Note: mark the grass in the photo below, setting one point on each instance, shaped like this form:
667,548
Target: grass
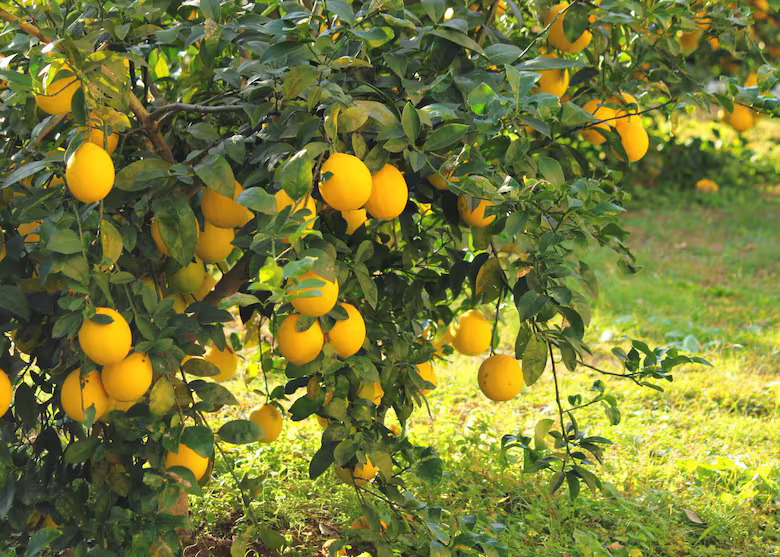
695,470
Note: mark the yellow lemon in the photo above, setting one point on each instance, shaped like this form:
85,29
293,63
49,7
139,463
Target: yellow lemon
214,244
473,334
741,119
389,194
347,335
355,219
361,475
474,216
634,139
57,97
500,377
89,173
626,100
226,360
187,279
428,374
128,379
706,186
106,344
76,399
222,211
600,113
270,420
349,185
554,82
186,457
556,35
318,300
6,393
299,347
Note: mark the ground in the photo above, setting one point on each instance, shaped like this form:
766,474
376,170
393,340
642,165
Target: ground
695,470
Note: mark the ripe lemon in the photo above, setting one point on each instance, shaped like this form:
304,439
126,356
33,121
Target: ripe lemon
349,186
5,393
371,391
500,377
634,139
299,347
270,420
689,41
205,287
389,194
76,399
26,231
224,212
106,344
186,457
706,185
355,219
556,35
347,335
214,244
89,173
179,304
226,360
440,183
625,100
187,279
600,113
473,334
128,379
307,202
474,217
554,82
426,371
97,135
741,119
57,97
361,475
318,300
117,405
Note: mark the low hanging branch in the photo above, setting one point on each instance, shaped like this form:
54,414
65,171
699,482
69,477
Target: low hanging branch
145,120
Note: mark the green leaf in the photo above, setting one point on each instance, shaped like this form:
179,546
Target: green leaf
503,53
430,470
367,284
352,118
80,451
200,368
141,175
575,22
298,79
23,80
258,200
321,460
240,432
40,540
459,38
552,171
534,360
444,136
480,97
521,342
342,9
24,171
556,480
434,8
529,305
78,107
568,355
177,225
271,538
439,550
65,241
200,439
214,394
541,430
162,397
111,242
613,415
215,172
576,326
344,451
410,121
296,175
574,484
14,300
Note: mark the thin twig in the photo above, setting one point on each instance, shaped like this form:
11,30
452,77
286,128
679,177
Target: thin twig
184,107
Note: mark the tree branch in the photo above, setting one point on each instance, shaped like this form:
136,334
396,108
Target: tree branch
184,107
230,281
141,114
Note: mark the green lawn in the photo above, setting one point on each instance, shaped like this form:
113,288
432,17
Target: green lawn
695,470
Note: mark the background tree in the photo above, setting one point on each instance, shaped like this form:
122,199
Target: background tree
355,179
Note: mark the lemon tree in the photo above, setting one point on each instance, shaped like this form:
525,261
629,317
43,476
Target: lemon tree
367,187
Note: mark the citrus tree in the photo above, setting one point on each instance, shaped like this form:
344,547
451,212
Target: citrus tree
368,187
